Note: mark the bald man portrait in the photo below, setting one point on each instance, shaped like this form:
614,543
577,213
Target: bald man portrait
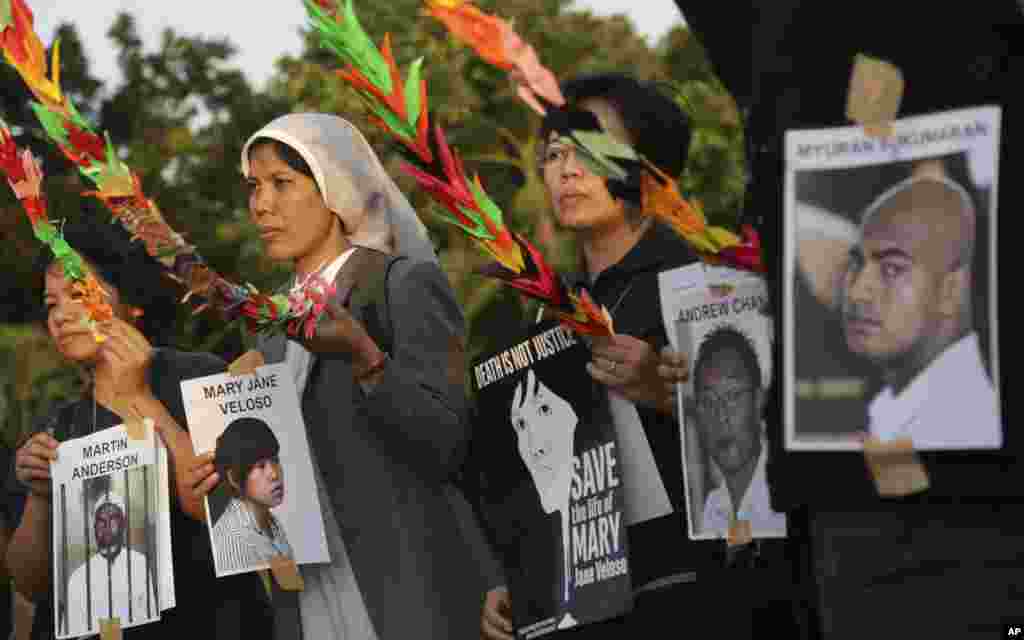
905,301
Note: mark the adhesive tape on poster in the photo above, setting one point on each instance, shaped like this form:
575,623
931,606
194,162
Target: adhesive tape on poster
875,93
110,629
740,533
137,429
286,573
895,467
246,363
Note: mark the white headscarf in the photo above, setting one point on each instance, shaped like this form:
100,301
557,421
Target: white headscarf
352,181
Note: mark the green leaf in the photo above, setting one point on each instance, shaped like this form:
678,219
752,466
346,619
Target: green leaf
486,205
347,39
400,127
6,15
60,247
477,230
166,252
412,93
603,145
76,117
72,264
44,232
53,123
601,166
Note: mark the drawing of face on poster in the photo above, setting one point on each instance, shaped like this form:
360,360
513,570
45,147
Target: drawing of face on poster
728,396
552,487
545,425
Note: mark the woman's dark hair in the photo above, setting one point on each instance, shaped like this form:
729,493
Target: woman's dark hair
288,155
138,278
658,127
244,443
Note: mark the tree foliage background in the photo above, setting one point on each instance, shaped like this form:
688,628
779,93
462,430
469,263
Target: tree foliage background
185,109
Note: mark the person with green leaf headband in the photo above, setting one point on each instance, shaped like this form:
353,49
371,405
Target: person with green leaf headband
594,152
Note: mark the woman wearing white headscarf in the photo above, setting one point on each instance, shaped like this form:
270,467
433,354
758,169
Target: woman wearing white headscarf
381,387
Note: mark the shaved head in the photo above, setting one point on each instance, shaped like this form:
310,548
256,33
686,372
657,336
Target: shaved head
930,216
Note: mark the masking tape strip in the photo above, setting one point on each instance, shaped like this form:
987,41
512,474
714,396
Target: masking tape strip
246,363
895,467
286,573
137,429
740,533
875,94
110,629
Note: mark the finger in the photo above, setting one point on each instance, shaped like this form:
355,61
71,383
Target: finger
135,343
677,361
203,459
206,486
46,440
610,351
610,367
37,450
494,630
600,342
33,462
197,472
492,614
673,357
671,375
114,352
491,632
42,438
29,475
505,611
40,487
118,341
132,334
602,376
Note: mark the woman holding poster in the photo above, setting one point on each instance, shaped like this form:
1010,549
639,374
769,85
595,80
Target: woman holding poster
381,383
129,378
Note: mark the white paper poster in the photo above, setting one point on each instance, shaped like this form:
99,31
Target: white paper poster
111,532
266,504
718,318
890,284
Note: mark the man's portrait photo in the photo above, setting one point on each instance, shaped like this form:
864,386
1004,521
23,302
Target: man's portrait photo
892,304
246,535
729,449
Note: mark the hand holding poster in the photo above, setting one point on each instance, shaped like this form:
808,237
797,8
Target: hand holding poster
554,489
266,505
111,533
718,318
890,279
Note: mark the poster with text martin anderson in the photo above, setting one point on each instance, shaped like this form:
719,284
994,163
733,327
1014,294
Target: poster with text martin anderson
111,532
553,491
